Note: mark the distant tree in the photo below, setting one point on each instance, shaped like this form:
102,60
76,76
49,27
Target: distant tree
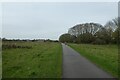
4,39
114,24
66,38
116,21
110,25
99,41
84,28
103,35
94,33
116,35
48,40
109,31
85,38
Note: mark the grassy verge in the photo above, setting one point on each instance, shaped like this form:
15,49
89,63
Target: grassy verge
104,56
43,60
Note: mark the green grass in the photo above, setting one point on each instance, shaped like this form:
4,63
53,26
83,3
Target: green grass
44,60
104,56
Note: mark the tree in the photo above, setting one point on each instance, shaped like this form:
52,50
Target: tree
84,28
116,21
66,38
4,39
94,33
85,38
103,34
116,35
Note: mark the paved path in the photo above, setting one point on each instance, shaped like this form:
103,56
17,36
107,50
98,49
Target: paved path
76,66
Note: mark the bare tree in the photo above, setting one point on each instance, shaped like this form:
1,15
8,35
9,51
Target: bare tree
84,28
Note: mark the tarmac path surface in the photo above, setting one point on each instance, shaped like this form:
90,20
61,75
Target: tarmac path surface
76,66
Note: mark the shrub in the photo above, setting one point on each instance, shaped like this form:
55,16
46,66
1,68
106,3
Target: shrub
10,46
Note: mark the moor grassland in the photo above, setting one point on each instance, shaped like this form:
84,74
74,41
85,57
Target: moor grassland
41,60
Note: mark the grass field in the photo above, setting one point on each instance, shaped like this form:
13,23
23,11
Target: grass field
104,56
43,60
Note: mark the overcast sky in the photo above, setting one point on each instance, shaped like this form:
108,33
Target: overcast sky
50,20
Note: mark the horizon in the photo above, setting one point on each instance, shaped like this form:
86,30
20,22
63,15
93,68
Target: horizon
27,39
50,20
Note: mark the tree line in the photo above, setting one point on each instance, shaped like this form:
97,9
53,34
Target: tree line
28,40
93,33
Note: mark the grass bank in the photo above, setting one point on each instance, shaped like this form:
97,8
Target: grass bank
104,56
43,60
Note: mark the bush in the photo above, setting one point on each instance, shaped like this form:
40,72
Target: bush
10,46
